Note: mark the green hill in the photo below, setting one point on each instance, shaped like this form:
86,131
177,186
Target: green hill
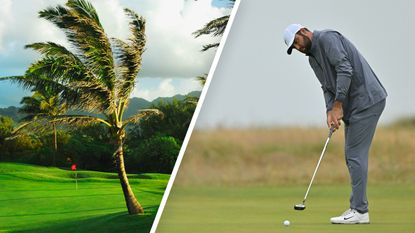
12,112
135,104
178,97
44,199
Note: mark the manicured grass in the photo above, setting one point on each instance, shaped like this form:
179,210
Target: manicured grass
263,209
41,199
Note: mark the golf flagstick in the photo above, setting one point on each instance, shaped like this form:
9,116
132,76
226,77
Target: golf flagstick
302,206
73,168
76,180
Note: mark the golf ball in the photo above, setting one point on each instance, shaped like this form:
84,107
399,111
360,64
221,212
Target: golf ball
286,223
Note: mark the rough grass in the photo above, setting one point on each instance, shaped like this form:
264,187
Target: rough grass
289,156
44,199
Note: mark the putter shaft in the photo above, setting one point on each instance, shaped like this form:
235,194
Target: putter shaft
318,164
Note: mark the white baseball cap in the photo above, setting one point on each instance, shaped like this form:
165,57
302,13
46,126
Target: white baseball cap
289,35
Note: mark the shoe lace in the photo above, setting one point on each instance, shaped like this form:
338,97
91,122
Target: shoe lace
347,212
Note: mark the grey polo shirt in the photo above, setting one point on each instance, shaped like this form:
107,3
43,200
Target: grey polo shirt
344,73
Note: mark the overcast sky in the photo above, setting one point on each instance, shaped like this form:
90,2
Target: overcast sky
170,63
257,84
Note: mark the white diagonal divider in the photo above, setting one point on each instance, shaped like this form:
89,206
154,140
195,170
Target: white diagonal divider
194,118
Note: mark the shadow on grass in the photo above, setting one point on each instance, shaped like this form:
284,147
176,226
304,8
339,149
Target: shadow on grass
53,190
59,212
61,196
109,175
116,222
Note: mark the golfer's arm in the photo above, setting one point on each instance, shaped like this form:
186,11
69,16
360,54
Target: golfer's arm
338,58
328,98
344,78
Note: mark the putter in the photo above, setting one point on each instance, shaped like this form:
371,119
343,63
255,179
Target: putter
301,206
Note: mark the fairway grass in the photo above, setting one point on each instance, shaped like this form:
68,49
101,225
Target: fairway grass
263,209
41,199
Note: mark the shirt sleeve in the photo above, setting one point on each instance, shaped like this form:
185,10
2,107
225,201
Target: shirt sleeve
328,95
338,58
329,99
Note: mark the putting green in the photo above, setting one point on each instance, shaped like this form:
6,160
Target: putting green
40,199
263,209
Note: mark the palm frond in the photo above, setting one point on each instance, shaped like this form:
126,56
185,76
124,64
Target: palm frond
209,46
137,28
79,120
31,127
127,69
29,106
18,131
191,100
215,27
32,113
42,104
129,55
54,49
84,8
43,124
64,76
29,82
21,126
55,15
81,25
142,114
202,79
11,78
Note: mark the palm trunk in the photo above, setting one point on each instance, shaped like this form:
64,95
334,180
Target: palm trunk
133,205
56,144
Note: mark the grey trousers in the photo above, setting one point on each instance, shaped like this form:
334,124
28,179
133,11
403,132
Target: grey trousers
359,132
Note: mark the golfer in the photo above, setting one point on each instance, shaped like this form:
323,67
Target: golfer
352,93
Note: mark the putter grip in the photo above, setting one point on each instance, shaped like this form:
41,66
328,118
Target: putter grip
331,131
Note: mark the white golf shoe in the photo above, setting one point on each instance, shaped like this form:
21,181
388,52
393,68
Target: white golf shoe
351,216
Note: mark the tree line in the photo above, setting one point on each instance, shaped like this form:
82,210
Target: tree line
152,146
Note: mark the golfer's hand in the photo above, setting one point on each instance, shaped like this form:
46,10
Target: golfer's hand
335,115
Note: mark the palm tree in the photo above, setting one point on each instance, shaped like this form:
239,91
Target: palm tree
202,79
43,104
96,74
215,27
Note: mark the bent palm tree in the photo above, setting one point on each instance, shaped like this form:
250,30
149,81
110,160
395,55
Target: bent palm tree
95,75
43,105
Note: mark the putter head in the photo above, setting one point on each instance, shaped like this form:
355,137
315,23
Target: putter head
299,207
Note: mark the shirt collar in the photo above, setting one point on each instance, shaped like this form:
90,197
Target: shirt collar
314,42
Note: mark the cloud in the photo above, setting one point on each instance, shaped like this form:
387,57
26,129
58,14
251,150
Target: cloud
172,52
112,17
152,88
171,49
21,26
5,12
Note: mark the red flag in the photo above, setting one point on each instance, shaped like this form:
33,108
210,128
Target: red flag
73,167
